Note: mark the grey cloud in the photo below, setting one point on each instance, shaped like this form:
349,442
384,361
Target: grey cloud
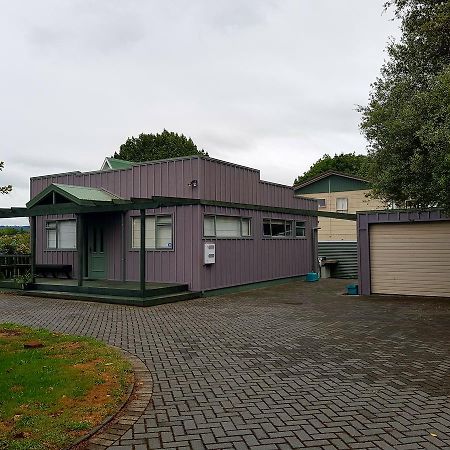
270,84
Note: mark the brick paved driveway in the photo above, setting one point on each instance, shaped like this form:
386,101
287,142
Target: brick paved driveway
294,366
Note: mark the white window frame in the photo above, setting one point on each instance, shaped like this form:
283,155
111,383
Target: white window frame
55,225
158,249
240,218
342,210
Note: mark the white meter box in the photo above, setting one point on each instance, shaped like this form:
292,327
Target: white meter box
209,253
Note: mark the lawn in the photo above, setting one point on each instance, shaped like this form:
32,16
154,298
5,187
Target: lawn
50,396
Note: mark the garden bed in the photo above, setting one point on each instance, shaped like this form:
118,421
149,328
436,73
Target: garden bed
50,395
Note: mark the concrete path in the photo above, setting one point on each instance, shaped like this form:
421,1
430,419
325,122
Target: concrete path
293,366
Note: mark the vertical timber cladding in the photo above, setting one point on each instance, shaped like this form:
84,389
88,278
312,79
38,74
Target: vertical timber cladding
410,258
346,253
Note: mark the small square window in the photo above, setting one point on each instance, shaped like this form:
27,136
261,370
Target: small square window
322,202
158,232
61,234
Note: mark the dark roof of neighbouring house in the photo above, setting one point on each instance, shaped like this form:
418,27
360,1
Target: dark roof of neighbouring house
342,180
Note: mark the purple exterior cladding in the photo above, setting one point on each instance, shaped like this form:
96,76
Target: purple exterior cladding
367,218
238,260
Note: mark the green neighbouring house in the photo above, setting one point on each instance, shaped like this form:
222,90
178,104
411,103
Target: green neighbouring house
341,193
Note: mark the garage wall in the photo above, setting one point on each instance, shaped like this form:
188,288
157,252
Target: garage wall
372,250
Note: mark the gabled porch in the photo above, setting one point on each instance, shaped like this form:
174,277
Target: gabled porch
98,232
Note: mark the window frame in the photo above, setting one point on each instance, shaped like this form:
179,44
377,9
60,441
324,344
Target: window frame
303,236
155,249
324,202
346,202
241,218
293,223
57,223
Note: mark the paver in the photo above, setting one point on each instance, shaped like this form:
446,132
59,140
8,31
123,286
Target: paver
294,366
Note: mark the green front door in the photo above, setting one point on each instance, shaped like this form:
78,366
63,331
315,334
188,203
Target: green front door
96,252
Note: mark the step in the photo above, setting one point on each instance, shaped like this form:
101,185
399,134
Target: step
171,298
111,291
114,299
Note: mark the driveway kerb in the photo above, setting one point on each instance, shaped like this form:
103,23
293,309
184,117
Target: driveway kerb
116,425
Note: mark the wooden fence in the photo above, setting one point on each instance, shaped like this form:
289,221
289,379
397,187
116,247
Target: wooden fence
12,266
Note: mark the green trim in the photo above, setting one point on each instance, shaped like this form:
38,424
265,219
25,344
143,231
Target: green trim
9,285
117,205
173,201
115,299
251,286
79,195
13,212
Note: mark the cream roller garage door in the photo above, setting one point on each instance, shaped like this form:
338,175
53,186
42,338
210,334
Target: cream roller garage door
410,259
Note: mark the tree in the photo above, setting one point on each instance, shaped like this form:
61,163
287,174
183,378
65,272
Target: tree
4,189
150,147
407,119
348,163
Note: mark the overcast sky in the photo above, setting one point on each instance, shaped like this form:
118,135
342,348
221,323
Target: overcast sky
271,84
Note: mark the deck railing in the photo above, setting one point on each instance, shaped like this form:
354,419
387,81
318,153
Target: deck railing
12,266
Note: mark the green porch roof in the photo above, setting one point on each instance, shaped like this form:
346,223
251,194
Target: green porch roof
80,195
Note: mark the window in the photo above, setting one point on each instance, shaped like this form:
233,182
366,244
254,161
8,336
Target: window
226,226
300,229
322,202
61,234
158,232
342,205
277,228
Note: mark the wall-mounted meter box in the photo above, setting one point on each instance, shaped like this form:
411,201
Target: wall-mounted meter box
209,253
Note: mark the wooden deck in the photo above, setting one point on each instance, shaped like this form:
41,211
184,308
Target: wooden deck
104,284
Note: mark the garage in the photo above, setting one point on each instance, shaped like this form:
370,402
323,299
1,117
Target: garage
404,253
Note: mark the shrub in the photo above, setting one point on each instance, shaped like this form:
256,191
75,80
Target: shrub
14,244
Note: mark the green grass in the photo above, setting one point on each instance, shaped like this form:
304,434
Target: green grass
50,396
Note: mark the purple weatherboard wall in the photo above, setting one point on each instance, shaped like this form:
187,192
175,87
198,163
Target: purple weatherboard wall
367,218
238,260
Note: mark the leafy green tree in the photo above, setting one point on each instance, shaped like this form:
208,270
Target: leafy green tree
150,147
348,163
4,189
407,119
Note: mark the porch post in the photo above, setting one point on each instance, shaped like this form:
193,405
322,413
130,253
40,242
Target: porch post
80,248
142,253
33,248
124,247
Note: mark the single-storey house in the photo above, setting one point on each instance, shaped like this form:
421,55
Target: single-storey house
198,221
404,252
340,193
